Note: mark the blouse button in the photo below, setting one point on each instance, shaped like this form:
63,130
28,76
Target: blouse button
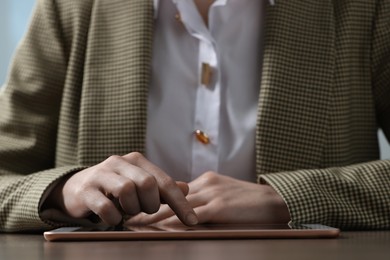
207,73
202,137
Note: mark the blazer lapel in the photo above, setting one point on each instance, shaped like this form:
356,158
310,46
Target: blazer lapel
296,85
116,79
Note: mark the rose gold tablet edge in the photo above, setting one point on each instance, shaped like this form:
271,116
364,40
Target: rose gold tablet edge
215,234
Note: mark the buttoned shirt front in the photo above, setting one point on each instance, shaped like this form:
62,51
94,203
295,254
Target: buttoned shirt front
203,97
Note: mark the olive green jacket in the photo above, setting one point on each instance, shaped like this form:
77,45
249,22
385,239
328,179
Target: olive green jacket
77,93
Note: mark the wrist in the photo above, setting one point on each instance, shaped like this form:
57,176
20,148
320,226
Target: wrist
54,199
277,204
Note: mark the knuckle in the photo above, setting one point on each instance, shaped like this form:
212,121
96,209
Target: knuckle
135,156
148,183
113,159
210,177
126,187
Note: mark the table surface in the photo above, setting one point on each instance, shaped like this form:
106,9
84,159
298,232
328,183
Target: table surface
350,245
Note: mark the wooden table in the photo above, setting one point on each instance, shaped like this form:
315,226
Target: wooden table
351,245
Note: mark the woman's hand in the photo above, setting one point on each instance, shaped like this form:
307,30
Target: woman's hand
221,199
120,185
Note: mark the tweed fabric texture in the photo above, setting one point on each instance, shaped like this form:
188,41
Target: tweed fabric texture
77,93
322,109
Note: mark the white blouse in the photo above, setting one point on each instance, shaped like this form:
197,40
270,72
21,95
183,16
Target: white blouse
203,97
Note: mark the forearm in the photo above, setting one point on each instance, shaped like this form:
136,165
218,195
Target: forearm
353,197
21,197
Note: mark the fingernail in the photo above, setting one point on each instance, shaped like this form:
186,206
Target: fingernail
192,219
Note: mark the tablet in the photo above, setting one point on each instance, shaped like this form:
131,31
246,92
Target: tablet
227,231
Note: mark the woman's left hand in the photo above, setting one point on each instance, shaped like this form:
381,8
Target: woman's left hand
220,199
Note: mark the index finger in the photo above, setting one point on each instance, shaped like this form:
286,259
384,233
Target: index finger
168,189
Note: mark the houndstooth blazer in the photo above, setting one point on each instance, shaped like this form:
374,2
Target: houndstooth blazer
77,93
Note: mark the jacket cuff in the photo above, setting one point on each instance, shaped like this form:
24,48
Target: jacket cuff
304,201
49,181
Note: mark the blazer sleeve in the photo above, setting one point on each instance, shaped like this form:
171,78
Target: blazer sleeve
357,196
29,112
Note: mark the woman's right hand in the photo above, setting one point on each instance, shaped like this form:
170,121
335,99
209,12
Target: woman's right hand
127,184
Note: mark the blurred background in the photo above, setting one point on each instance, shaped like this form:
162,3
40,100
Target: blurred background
14,18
